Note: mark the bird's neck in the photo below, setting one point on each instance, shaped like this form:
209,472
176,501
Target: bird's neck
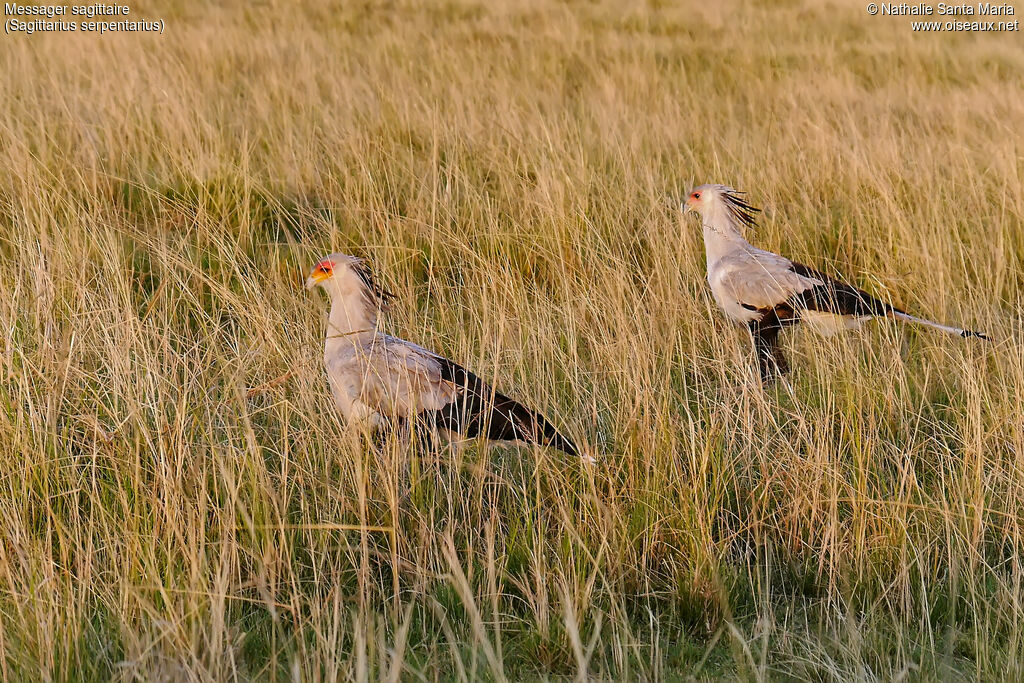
721,236
351,320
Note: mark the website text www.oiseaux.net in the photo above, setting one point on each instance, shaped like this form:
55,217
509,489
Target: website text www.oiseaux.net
942,17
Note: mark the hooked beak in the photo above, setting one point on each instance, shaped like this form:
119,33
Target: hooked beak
687,207
315,278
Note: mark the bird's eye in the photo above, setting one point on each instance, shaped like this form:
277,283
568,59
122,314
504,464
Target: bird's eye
696,195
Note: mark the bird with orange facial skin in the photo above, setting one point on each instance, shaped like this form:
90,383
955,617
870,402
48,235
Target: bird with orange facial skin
381,381
767,292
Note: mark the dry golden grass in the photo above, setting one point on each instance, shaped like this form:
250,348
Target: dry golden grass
179,499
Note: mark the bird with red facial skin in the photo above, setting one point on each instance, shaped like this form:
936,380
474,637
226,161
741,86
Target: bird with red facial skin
767,292
378,380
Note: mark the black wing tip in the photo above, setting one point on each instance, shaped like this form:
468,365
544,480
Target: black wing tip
563,444
538,429
517,422
972,333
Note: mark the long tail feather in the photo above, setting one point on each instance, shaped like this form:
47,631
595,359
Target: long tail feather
948,329
843,299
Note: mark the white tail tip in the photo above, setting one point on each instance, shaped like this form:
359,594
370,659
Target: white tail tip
948,329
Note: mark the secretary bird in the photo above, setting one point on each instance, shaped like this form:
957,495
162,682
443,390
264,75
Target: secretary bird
768,292
381,381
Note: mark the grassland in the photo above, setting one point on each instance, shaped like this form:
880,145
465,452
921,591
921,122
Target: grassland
179,499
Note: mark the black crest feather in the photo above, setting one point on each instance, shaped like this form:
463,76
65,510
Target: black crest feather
743,212
375,294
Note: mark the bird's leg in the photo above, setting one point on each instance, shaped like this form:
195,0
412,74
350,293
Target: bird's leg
415,456
383,431
389,442
422,448
426,443
770,359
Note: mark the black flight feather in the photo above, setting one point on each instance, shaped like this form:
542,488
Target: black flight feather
477,410
833,296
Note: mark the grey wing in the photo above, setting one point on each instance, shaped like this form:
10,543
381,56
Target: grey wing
405,379
760,279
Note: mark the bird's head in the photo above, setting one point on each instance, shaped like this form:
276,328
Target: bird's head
715,201
700,198
341,275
